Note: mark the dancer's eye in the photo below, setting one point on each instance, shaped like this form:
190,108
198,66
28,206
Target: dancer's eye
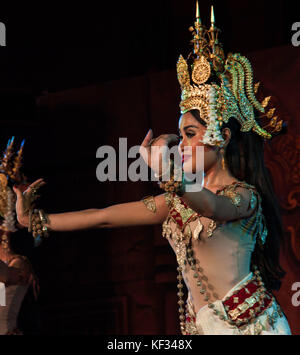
190,134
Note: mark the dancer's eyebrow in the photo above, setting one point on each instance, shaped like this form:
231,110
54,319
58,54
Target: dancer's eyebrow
187,127
190,126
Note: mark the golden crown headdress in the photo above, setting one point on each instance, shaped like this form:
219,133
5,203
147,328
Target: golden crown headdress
234,97
9,174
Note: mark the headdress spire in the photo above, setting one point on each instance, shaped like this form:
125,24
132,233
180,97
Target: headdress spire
212,17
198,18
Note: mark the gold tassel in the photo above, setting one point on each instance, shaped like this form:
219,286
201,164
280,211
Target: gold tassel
270,113
266,101
256,86
278,126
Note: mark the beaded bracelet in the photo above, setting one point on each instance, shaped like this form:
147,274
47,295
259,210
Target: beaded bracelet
172,185
37,225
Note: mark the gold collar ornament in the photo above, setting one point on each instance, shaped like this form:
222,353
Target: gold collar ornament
234,96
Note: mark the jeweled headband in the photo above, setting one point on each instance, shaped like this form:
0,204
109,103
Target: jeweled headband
234,97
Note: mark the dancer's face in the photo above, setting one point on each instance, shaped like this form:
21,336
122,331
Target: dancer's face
191,132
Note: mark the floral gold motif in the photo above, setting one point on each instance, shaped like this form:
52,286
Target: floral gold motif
149,202
201,71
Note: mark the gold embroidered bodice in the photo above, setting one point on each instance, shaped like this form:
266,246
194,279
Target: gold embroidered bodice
223,249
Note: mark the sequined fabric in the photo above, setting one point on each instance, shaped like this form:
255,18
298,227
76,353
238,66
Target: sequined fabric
269,321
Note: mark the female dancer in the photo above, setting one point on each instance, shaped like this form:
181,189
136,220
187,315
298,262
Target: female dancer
226,233
16,270
15,291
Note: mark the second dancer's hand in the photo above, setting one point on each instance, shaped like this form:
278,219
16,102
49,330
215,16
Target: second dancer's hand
25,201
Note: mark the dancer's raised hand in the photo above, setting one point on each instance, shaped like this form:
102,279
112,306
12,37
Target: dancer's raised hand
154,152
25,200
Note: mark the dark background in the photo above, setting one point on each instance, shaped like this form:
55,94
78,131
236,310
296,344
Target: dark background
53,46
76,76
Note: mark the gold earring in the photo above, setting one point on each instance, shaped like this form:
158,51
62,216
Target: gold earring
223,159
223,163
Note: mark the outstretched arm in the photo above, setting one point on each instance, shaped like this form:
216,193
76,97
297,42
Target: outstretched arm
119,215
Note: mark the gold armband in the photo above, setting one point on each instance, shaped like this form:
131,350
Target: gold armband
236,200
149,202
235,197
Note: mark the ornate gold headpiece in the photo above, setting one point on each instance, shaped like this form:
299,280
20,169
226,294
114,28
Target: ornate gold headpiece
9,172
234,96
